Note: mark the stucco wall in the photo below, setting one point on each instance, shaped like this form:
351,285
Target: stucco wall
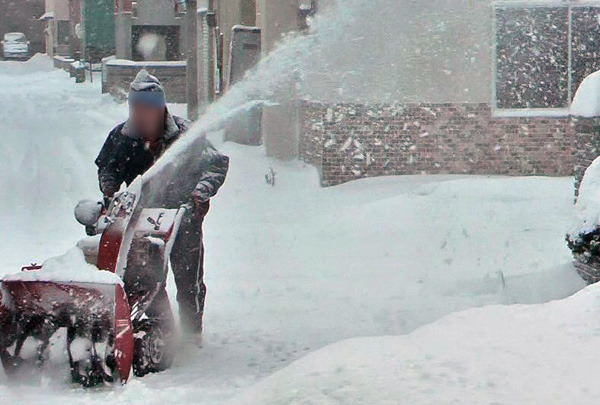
275,18
60,8
406,51
156,12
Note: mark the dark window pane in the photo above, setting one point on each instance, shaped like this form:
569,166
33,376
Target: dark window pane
532,54
63,29
586,43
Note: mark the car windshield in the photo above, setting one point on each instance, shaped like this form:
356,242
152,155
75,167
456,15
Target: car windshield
15,37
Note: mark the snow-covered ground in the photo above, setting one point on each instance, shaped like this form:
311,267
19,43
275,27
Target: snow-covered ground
517,354
293,268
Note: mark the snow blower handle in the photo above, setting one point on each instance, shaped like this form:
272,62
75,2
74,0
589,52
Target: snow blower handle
187,207
194,209
199,204
88,213
106,200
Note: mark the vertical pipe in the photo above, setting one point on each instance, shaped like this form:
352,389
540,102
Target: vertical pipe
494,50
191,35
570,57
211,42
202,34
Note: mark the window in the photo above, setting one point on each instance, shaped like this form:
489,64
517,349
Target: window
63,30
585,43
542,53
532,57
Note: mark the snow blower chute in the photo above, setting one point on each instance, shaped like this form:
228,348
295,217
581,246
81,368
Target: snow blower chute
108,322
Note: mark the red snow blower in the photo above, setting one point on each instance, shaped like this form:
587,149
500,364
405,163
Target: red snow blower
107,325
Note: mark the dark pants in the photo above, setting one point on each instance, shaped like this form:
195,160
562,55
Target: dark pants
187,261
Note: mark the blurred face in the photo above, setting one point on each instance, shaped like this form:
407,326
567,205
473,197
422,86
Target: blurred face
148,120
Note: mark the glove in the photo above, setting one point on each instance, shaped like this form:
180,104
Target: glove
200,194
200,201
106,201
109,188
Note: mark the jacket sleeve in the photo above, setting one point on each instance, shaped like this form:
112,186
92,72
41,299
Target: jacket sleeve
214,170
109,170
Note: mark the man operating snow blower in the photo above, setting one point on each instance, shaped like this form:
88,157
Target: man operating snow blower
130,150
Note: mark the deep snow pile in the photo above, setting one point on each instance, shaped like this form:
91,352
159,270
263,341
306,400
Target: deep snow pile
540,354
587,208
584,237
51,131
39,62
586,102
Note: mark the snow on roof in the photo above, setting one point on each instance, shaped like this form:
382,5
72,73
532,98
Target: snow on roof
49,15
240,27
126,62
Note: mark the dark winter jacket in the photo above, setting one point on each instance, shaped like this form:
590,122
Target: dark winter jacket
125,156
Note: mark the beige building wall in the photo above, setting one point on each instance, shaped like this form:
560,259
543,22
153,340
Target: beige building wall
60,10
276,18
408,51
280,123
405,51
229,14
147,13
123,35
402,51
156,12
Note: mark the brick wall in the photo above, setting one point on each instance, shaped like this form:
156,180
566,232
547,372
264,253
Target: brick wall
352,141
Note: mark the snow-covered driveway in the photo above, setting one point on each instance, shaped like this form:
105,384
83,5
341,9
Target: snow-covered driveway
289,268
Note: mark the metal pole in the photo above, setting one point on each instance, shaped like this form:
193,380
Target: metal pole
570,57
212,23
191,39
494,101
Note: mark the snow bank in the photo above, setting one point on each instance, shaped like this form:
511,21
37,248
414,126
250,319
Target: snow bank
587,208
40,62
70,267
52,130
542,354
586,102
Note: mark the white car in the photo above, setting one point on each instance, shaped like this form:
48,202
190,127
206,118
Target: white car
15,46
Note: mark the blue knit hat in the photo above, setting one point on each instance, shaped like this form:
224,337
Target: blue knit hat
146,89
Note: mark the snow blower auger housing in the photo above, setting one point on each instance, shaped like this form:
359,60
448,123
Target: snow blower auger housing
104,320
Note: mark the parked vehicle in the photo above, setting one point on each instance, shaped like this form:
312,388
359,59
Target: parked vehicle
15,46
